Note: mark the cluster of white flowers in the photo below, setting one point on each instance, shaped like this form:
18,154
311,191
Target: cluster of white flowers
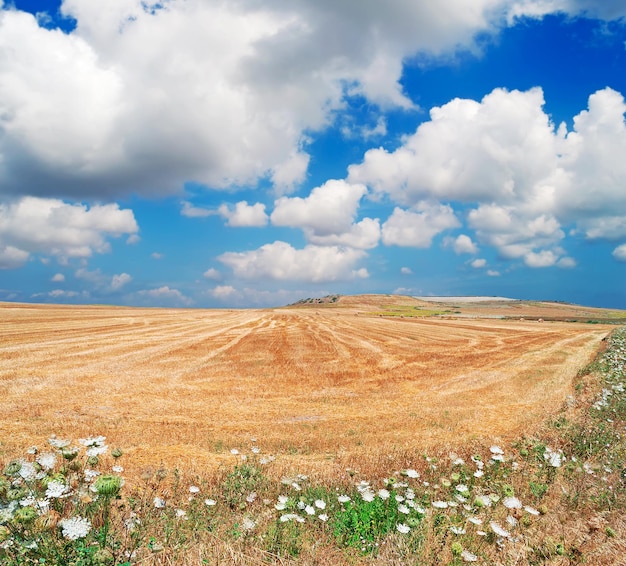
75,527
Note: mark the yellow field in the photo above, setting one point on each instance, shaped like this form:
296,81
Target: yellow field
329,385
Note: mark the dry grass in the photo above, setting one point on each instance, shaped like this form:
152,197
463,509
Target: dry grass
327,387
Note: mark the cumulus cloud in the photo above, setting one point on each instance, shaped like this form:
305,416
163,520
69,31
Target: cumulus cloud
244,214
478,263
164,296
416,228
524,176
224,292
213,274
464,245
619,253
191,211
118,281
12,257
52,227
280,261
58,278
329,209
406,271
96,112
544,258
328,216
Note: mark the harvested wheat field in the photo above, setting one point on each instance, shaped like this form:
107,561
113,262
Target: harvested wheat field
334,384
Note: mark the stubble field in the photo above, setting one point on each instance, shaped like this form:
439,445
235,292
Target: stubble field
330,386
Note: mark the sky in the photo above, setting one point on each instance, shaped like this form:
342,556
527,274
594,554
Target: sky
251,153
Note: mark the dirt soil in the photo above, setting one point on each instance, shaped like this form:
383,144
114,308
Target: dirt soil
329,385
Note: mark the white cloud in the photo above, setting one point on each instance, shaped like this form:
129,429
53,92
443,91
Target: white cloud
499,148
280,261
118,281
406,271
12,257
619,253
285,176
157,255
493,273
566,263
328,216
329,209
57,293
58,278
544,258
213,274
511,232
608,9
191,211
417,229
133,239
478,263
364,235
524,176
244,214
464,245
164,295
52,227
112,108
593,157
224,292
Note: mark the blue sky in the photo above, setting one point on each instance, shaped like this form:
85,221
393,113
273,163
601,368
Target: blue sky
248,154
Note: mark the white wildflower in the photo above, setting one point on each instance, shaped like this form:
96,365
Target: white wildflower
90,475
496,450
440,504
467,556
531,510
403,509
210,502
496,528
75,527
402,528
457,530
94,451
159,502
248,524
383,494
93,441
323,517
181,513
343,499
251,497
462,488
320,504
56,489
309,510
58,443
512,503
411,473
367,495
28,471
47,460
